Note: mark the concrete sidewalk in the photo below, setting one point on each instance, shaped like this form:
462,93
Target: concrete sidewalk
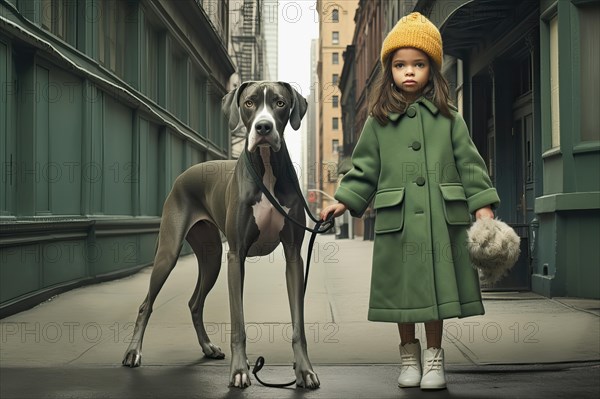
89,327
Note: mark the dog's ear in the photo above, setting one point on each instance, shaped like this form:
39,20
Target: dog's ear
299,106
230,105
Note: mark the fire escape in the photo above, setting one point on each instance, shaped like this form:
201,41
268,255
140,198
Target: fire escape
248,49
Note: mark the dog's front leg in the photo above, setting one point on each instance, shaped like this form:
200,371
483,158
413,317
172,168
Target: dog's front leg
305,376
239,372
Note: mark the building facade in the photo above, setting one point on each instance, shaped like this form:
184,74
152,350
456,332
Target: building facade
248,47
336,26
270,21
524,76
103,103
310,139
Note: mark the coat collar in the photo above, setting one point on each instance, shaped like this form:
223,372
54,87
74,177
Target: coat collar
423,101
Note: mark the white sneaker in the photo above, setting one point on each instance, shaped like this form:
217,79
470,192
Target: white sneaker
410,365
433,369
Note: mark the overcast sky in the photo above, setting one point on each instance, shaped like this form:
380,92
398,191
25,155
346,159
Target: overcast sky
298,25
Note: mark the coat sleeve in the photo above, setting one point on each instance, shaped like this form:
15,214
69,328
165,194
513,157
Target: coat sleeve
471,168
359,185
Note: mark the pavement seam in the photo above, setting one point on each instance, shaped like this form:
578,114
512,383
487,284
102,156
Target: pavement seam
462,348
572,307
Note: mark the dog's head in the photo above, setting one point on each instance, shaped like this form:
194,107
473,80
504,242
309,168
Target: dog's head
263,109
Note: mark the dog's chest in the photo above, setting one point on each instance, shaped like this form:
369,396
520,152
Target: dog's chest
268,219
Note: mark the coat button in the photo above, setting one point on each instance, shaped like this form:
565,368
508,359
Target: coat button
416,145
411,112
420,181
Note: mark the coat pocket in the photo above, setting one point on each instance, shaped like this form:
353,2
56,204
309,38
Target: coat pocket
456,208
390,210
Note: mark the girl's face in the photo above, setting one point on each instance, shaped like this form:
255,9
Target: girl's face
410,70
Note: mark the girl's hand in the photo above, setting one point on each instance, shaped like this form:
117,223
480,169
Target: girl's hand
337,209
485,212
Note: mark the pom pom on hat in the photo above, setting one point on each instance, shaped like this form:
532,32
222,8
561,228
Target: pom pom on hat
494,248
414,30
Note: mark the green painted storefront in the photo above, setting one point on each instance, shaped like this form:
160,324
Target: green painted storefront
98,116
527,82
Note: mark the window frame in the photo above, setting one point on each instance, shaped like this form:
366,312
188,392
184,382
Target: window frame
335,58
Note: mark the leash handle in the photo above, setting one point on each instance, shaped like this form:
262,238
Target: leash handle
260,362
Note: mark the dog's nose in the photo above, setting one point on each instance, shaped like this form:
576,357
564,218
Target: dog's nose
263,127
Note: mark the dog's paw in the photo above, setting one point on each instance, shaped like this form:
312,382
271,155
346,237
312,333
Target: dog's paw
240,379
213,352
133,358
308,379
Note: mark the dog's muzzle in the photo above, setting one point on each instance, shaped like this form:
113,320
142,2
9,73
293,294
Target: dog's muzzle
264,133
263,127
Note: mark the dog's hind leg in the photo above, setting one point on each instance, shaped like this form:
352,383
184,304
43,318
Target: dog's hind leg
205,240
174,225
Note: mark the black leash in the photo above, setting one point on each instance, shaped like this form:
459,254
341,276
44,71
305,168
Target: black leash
328,223
320,227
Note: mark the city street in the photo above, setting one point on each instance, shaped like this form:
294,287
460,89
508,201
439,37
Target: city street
524,346
121,123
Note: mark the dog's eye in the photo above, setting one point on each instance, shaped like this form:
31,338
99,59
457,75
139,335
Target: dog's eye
249,103
280,103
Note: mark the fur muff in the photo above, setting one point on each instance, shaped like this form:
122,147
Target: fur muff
494,248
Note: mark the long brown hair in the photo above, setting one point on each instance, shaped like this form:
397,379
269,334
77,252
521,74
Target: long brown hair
385,99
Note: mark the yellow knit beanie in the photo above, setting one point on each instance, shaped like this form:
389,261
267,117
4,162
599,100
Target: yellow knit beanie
414,30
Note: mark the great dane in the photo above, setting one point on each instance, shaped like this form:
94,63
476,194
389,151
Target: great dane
221,196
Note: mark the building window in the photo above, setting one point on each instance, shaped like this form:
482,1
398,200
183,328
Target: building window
554,84
335,146
335,37
335,15
335,101
111,34
335,78
60,18
335,58
589,33
335,123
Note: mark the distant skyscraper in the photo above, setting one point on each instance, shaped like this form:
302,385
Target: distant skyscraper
336,28
270,25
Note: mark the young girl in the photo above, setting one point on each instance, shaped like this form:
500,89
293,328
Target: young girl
415,158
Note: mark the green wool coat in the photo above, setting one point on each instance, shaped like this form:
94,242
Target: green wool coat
426,178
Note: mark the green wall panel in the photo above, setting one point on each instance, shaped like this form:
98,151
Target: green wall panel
63,261
114,253
587,166
581,253
5,153
41,165
58,125
93,164
64,163
147,248
177,158
149,168
19,270
118,168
